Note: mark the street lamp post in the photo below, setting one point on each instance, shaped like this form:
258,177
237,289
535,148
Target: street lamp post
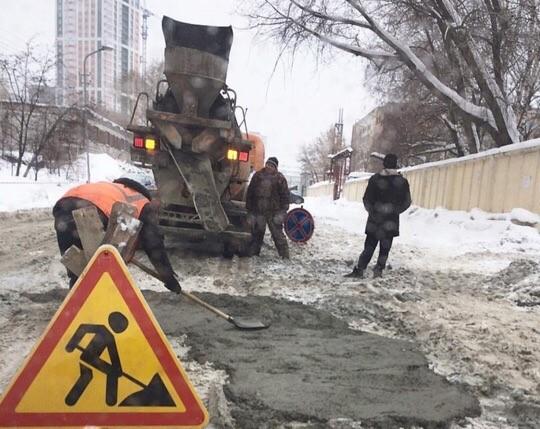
85,136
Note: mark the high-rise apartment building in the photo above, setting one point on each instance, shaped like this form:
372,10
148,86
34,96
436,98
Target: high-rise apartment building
83,26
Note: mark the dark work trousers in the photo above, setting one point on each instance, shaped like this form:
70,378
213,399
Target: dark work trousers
276,230
369,248
66,229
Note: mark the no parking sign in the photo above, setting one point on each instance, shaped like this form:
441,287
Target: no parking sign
299,225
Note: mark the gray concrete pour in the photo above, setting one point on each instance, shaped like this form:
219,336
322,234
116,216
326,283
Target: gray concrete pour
310,367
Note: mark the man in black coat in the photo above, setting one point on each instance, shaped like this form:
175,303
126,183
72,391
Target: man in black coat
387,196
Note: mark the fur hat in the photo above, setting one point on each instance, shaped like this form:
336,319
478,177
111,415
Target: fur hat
390,161
273,160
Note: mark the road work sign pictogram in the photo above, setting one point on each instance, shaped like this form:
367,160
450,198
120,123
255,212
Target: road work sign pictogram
103,362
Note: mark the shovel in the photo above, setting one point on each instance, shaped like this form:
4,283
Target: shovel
153,394
240,323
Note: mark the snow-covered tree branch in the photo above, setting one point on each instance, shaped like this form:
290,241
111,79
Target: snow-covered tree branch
473,55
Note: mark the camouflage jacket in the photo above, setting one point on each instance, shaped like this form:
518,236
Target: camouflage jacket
268,192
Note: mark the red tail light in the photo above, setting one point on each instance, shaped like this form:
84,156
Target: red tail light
243,156
138,142
150,143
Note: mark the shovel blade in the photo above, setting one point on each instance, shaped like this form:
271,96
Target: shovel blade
155,394
248,324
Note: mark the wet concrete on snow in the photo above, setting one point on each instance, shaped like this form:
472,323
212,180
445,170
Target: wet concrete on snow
308,366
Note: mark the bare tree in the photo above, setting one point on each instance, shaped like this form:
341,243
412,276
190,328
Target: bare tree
477,37
25,75
47,136
134,83
313,157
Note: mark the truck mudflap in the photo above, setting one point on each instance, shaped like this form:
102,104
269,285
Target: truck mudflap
196,170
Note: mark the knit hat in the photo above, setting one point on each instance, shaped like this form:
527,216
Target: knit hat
273,160
390,161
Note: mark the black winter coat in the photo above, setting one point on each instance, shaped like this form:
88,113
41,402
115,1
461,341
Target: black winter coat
387,196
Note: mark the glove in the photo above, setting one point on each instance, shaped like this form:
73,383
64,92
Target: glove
172,284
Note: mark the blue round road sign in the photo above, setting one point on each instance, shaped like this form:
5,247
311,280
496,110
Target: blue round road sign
299,225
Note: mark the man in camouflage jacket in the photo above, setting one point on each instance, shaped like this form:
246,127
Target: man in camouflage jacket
267,201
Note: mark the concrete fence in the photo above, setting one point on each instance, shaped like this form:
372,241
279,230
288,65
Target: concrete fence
320,189
496,181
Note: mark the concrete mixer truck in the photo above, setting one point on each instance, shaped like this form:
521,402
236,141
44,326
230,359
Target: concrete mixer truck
193,142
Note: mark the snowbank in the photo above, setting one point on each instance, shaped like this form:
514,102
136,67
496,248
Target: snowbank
445,233
358,176
19,193
319,184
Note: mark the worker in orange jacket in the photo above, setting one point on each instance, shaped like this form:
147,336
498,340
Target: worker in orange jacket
103,195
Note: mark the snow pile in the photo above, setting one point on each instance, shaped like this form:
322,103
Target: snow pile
442,228
24,193
319,184
20,193
435,236
358,176
519,282
524,217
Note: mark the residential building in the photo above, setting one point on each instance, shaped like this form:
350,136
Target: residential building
83,26
366,139
381,131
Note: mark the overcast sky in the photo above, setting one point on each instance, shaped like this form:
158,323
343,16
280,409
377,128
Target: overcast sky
290,108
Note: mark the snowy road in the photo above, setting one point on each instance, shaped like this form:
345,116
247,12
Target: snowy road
471,312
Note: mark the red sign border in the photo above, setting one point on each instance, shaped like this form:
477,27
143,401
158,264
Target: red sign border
107,260
308,215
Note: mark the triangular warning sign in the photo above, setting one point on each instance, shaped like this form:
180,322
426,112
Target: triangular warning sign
103,362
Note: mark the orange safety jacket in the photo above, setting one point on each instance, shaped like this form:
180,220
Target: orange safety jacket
104,194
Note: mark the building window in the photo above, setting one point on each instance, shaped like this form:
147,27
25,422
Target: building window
59,18
99,61
59,65
125,25
124,104
124,70
99,17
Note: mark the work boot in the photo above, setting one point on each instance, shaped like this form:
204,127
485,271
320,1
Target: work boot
377,273
356,273
284,253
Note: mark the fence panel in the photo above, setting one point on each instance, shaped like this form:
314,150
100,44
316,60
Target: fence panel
495,181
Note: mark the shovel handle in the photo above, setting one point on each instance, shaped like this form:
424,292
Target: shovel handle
195,299
208,306
124,374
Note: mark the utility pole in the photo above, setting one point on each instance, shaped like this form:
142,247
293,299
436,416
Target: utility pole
85,108
340,161
338,143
